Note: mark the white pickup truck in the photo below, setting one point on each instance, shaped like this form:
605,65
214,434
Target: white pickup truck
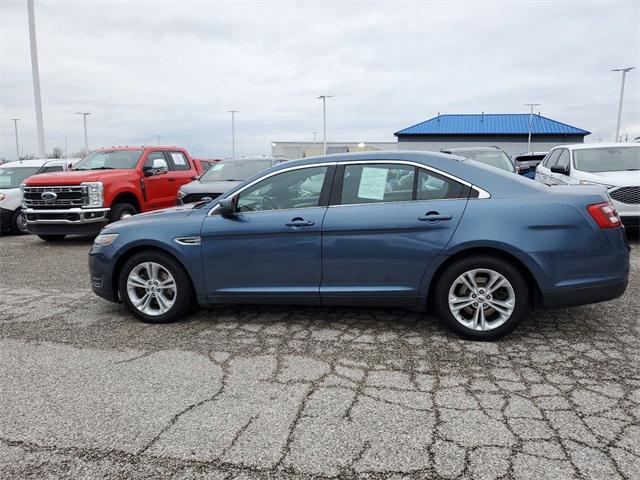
12,174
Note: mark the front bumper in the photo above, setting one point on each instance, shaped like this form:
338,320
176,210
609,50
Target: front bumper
6,217
101,273
67,221
629,212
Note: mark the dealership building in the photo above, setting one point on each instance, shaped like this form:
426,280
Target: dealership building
509,131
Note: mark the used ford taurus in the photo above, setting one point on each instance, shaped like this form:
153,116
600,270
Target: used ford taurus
402,229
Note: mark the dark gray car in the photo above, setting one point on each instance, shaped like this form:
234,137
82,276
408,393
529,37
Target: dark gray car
223,176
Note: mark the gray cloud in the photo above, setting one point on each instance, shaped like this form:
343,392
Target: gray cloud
175,68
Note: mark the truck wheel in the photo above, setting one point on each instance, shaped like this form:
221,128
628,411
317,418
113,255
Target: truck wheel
19,222
155,287
121,211
52,238
482,298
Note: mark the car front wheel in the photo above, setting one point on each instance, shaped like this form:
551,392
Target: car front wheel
155,287
482,298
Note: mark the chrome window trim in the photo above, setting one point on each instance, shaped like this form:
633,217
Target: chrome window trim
482,194
278,172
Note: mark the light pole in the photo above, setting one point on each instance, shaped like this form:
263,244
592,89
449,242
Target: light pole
530,123
157,139
233,132
15,126
624,74
314,138
324,119
84,118
36,78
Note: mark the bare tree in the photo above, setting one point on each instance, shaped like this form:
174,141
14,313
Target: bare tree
57,153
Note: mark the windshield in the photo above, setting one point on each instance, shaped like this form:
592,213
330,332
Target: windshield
12,177
234,170
612,159
495,159
109,159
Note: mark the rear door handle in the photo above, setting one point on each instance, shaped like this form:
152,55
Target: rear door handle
299,222
434,217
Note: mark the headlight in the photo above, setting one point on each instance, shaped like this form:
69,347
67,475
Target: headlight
2,196
587,182
105,239
95,191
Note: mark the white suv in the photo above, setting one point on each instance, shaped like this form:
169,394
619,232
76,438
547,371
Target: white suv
616,166
12,174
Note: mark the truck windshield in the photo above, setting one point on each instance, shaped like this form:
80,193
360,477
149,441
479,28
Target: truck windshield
612,159
234,170
12,177
110,159
495,159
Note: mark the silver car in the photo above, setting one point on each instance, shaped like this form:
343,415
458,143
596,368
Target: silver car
223,176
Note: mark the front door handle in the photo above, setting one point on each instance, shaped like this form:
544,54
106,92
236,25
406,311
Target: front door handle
171,179
299,222
434,217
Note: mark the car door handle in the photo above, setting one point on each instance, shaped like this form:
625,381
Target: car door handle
434,217
299,222
171,179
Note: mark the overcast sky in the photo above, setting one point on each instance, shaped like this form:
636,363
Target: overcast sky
175,68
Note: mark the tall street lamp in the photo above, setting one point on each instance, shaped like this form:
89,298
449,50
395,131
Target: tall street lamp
15,126
36,79
624,74
233,132
530,123
324,119
84,118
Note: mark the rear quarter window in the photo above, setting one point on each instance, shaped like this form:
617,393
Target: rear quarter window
178,161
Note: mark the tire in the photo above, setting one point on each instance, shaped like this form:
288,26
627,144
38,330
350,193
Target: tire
19,223
120,211
136,270
510,299
52,238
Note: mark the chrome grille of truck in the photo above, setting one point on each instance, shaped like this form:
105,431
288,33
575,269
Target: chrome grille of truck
66,196
629,195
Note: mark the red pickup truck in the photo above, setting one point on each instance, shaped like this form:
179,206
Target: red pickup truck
107,185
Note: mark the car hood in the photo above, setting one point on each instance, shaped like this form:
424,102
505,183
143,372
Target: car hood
165,215
616,179
76,177
208,187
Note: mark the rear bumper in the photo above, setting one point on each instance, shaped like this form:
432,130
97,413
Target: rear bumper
67,221
583,296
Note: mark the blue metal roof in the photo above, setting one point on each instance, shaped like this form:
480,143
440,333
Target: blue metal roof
491,124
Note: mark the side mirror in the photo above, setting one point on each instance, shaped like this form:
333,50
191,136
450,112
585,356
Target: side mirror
158,167
560,170
226,207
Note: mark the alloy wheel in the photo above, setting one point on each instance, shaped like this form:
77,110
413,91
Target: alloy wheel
481,299
21,222
151,288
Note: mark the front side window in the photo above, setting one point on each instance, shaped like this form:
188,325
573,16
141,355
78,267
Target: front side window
56,168
375,183
607,159
563,160
12,177
289,190
110,160
551,158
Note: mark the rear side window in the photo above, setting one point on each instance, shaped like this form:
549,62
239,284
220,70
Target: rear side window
377,183
178,161
432,186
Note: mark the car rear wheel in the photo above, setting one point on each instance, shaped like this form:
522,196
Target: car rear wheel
52,238
482,298
155,287
19,222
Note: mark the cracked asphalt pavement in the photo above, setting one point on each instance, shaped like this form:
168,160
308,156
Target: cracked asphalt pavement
86,391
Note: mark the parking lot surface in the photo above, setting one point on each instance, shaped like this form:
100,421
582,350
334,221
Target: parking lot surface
86,391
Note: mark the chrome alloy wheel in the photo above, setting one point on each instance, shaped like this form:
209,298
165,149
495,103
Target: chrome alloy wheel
151,288
481,299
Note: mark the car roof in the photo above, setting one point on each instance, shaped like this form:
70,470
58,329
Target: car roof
36,162
589,146
251,157
472,149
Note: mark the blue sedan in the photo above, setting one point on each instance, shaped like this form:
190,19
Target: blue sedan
404,229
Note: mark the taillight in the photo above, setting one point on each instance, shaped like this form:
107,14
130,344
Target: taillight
605,215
